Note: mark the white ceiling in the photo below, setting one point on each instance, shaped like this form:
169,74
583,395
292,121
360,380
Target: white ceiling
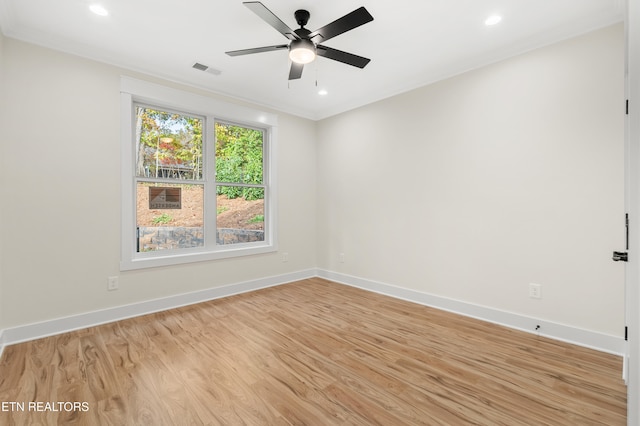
410,42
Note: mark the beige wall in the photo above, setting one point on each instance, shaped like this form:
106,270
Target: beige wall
476,186
61,205
470,188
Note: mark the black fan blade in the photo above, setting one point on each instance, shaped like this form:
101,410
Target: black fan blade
271,19
344,57
296,71
342,25
257,50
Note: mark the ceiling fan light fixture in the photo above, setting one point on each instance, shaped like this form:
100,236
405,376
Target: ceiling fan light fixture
302,51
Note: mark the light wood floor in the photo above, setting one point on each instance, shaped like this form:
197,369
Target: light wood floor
310,353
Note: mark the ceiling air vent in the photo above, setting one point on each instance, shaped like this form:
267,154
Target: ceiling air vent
206,68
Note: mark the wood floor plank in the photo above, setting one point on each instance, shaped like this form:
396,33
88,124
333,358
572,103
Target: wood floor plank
311,352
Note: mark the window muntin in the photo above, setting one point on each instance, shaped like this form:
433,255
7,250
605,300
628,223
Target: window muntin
169,151
197,171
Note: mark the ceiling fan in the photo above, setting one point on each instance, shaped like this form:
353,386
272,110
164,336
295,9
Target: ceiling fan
304,45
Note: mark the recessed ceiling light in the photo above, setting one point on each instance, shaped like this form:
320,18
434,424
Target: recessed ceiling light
323,92
493,20
98,10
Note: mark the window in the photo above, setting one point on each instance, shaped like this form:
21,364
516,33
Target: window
195,186
240,183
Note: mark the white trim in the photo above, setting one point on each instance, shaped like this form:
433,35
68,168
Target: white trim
632,287
39,330
561,332
590,339
197,104
133,90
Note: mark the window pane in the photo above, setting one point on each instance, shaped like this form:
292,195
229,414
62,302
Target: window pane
238,154
168,145
169,216
240,215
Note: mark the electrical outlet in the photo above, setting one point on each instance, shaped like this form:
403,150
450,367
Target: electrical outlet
112,283
535,291
341,258
285,257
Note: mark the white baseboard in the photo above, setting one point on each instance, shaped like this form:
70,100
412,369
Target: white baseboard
590,339
28,332
586,338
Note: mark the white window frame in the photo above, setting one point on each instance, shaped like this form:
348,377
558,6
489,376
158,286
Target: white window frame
134,91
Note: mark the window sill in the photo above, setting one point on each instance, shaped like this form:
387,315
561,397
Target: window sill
178,257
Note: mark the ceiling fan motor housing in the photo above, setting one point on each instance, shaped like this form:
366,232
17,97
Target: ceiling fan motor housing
302,17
